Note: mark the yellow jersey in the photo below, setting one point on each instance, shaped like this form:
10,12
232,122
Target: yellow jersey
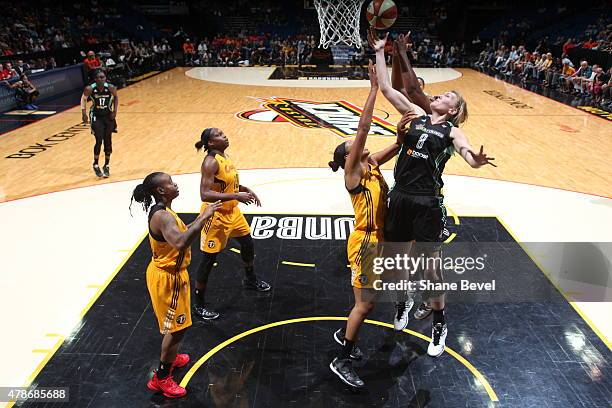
369,200
226,180
165,256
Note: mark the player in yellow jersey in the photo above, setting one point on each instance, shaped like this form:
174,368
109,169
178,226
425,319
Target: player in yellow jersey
220,182
368,190
167,277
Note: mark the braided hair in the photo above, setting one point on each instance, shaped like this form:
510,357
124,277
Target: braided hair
204,139
339,157
143,193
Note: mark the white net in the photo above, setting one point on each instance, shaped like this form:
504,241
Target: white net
339,22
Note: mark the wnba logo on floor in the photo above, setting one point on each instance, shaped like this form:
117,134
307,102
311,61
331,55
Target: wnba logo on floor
341,117
300,227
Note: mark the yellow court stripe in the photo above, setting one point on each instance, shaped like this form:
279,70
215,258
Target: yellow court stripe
298,264
112,275
60,340
450,238
229,341
454,215
584,317
50,352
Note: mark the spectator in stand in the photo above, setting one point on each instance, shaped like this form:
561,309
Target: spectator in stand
91,63
513,56
25,92
530,65
8,72
569,44
188,52
587,83
601,78
606,90
554,69
545,66
578,77
202,50
51,64
565,78
589,44
21,68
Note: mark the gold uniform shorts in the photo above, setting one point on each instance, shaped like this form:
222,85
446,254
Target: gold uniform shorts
223,225
361,249
170,297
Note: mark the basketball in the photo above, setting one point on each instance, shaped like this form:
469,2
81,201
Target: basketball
381,14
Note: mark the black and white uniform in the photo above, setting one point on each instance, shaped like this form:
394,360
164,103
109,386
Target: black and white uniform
102,123
415,207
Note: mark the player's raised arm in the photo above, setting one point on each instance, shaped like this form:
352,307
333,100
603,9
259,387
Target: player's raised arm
352,167
397,99
409,79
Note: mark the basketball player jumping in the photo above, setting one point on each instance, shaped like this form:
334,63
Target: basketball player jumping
415,208
102,114
220,182
167,277
368,191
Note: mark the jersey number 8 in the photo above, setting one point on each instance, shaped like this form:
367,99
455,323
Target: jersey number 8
422,140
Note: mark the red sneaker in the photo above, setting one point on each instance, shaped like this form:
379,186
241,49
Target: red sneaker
181,360
167,386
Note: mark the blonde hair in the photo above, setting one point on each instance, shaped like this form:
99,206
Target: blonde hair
462,110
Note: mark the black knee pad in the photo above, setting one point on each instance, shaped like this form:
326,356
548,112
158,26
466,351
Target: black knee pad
206,265
247,249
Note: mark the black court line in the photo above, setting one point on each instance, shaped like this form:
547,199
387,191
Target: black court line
533,354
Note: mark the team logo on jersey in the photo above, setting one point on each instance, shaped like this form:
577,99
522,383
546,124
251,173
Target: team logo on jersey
211,244
181,319
341,117
415,154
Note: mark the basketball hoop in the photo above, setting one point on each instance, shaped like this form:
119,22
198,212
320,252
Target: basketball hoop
339,22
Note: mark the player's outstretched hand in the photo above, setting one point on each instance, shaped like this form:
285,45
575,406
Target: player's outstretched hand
245,198
210,209
372,75
256,199
401,125
375,42
481,158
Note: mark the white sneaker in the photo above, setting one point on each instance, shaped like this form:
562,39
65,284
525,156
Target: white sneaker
402,309
438,340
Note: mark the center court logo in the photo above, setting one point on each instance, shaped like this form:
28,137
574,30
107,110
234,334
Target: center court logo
341,117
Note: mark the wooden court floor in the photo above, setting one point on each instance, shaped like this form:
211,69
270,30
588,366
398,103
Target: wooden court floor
534,139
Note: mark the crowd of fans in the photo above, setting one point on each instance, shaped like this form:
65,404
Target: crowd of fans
26,28
266,49
255,49
544,69
556,71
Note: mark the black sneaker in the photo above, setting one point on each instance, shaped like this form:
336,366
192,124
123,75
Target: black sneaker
356,353
422,311
345,371
97,170
256,284
204,314
106,171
